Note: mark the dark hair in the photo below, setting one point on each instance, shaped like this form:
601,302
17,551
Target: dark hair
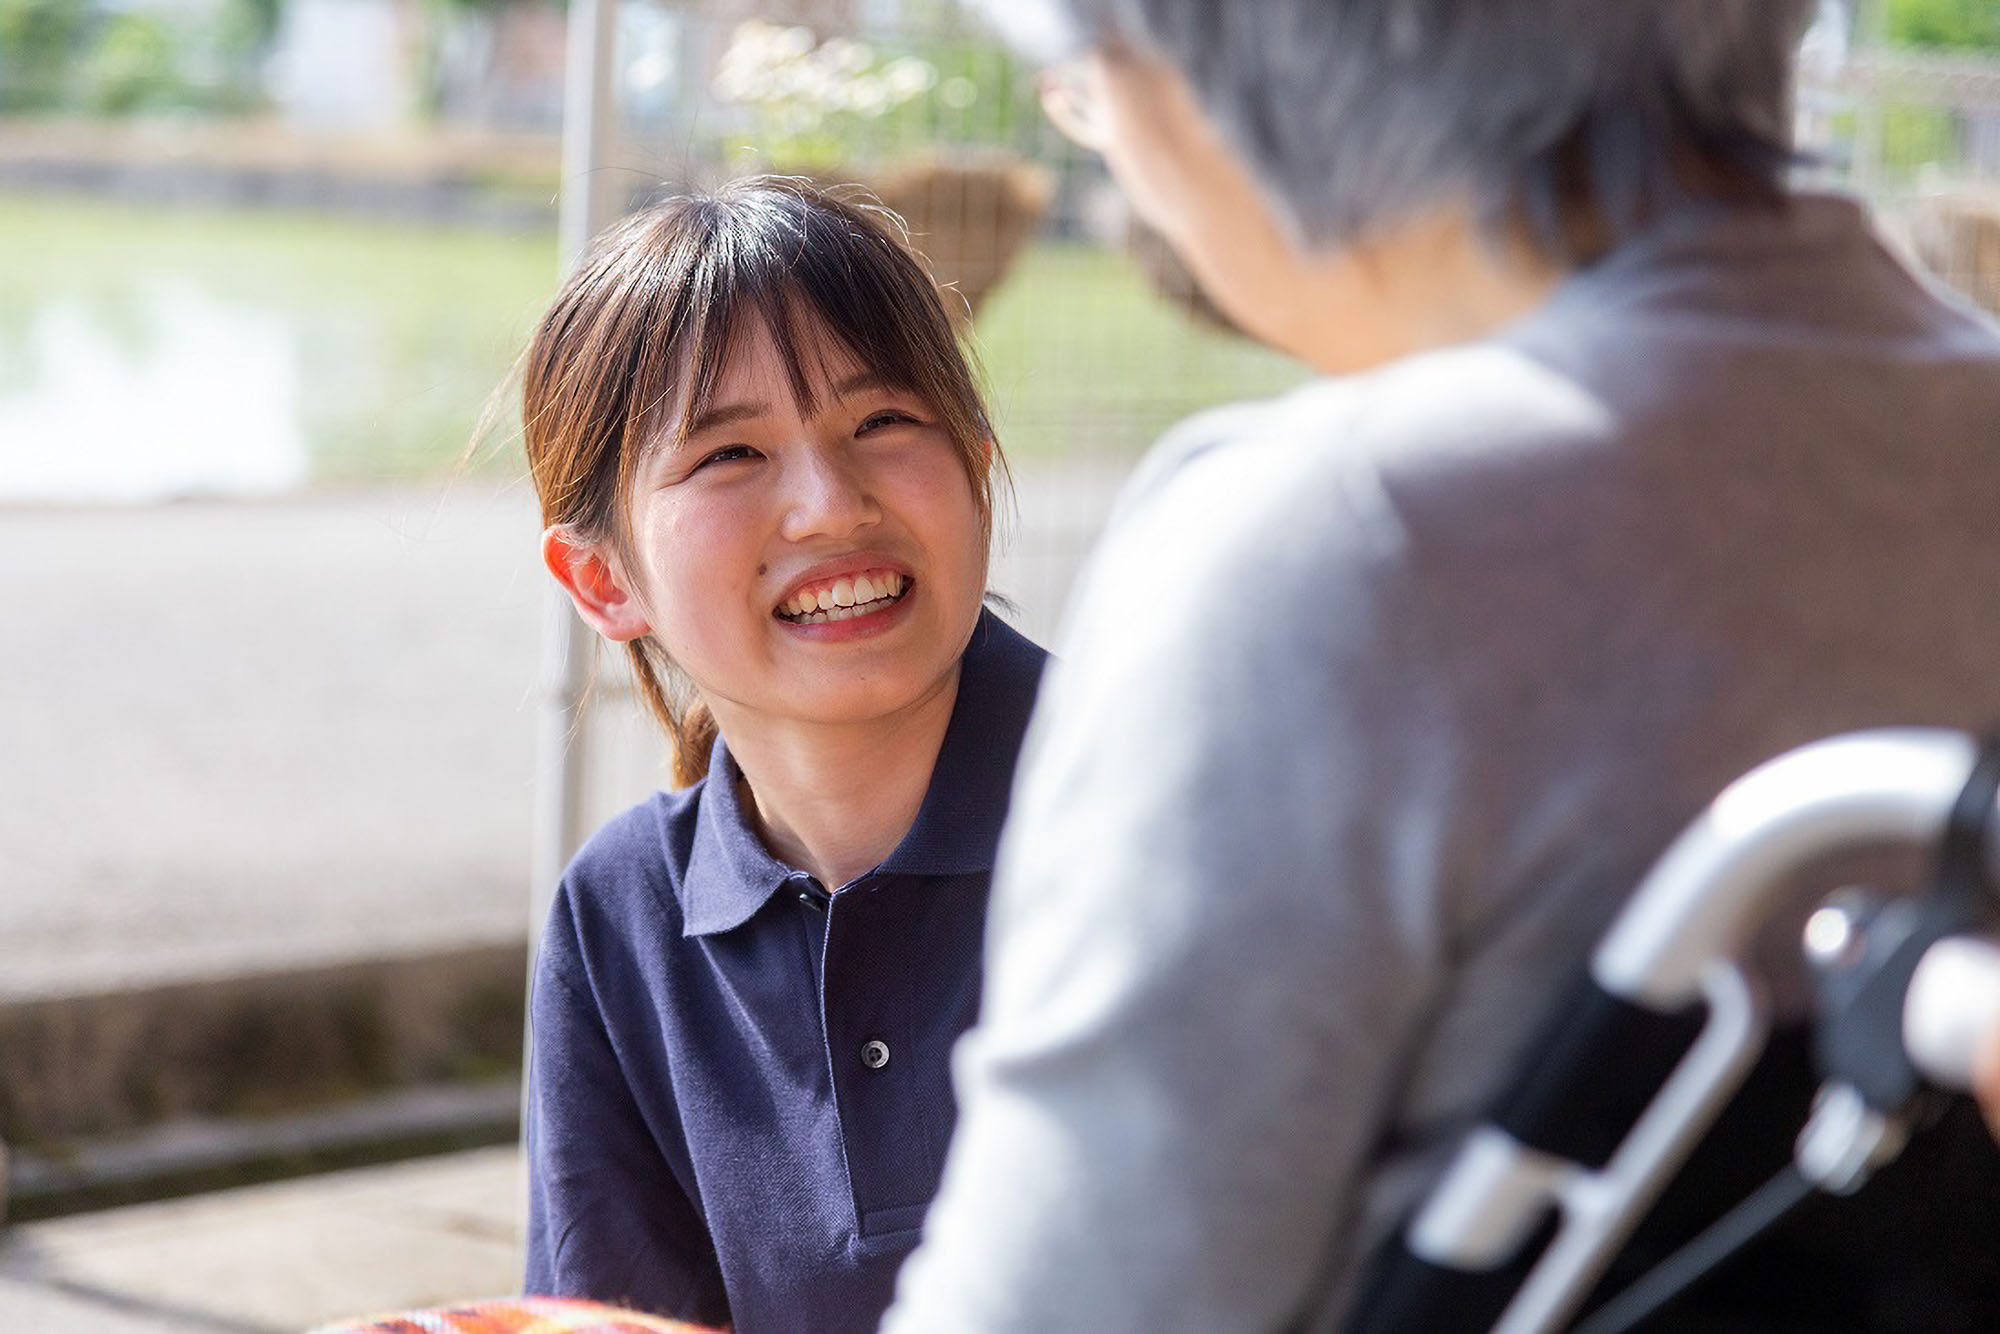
1355,114
642,328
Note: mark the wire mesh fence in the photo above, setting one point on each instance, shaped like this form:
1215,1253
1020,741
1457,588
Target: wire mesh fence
1917,134
1083,323
1093,338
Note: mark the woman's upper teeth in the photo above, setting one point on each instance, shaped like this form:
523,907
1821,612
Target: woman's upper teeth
848,591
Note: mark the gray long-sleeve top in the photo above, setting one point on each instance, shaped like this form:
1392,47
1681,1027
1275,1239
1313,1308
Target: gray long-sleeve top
1375,703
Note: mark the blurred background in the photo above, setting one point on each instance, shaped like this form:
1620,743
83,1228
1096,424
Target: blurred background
272,625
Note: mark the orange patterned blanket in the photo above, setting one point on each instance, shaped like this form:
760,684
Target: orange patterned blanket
517,1315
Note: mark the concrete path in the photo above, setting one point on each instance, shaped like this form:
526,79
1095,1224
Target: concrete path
242,741
256,737
249,737
282,1257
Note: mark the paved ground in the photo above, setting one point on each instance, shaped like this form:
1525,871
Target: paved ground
282,1257
251,739
247,737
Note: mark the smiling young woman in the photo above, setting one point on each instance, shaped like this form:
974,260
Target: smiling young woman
765,469
690,325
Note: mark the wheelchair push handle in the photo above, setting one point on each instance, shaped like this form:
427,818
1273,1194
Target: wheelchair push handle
1951,1014
1542,1193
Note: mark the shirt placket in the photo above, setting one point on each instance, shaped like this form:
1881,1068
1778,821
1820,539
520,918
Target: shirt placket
871,1049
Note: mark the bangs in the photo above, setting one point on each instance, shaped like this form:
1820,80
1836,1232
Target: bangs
818,278
633,347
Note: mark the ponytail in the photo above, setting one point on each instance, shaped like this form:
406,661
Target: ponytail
690,729
693,743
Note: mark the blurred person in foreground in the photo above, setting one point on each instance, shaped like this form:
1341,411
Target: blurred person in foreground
1627,469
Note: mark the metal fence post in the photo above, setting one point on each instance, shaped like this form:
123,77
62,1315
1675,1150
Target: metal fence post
590,200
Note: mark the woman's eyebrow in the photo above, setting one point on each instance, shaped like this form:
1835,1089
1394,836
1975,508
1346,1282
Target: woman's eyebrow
726,414
858,383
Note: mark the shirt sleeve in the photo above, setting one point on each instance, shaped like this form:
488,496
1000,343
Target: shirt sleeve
1213,932
607,1218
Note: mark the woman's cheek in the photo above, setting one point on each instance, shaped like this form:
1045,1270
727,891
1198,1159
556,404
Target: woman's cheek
703,553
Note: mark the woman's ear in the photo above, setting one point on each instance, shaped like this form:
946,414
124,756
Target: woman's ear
590,575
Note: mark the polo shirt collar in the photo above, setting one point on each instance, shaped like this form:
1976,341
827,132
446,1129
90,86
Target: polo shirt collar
730,873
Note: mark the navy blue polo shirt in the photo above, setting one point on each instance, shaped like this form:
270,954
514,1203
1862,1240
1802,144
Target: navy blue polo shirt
740,1097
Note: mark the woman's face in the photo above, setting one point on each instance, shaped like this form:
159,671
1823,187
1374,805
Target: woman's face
821,567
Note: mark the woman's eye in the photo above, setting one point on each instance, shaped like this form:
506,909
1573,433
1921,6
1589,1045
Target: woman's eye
886,417
727,454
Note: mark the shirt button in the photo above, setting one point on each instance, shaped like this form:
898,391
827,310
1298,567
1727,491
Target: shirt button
874,1053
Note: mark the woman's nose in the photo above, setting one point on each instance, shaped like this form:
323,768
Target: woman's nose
826,496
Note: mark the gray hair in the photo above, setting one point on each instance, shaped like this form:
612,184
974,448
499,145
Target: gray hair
1355,114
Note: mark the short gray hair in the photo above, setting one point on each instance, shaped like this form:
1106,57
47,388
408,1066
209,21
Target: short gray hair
1357,113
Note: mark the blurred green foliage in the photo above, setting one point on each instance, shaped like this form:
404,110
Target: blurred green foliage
1083,356
1958,25
792,102
401,331
40,41
132,66
1917,137
1914,137
116,60
404,332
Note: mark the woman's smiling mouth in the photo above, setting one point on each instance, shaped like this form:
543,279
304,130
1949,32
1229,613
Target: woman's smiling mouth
844,598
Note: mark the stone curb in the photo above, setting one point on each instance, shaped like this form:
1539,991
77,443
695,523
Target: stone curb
75,1069
194,1157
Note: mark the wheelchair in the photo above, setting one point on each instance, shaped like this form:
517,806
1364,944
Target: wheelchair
1616,1184
1588,1198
